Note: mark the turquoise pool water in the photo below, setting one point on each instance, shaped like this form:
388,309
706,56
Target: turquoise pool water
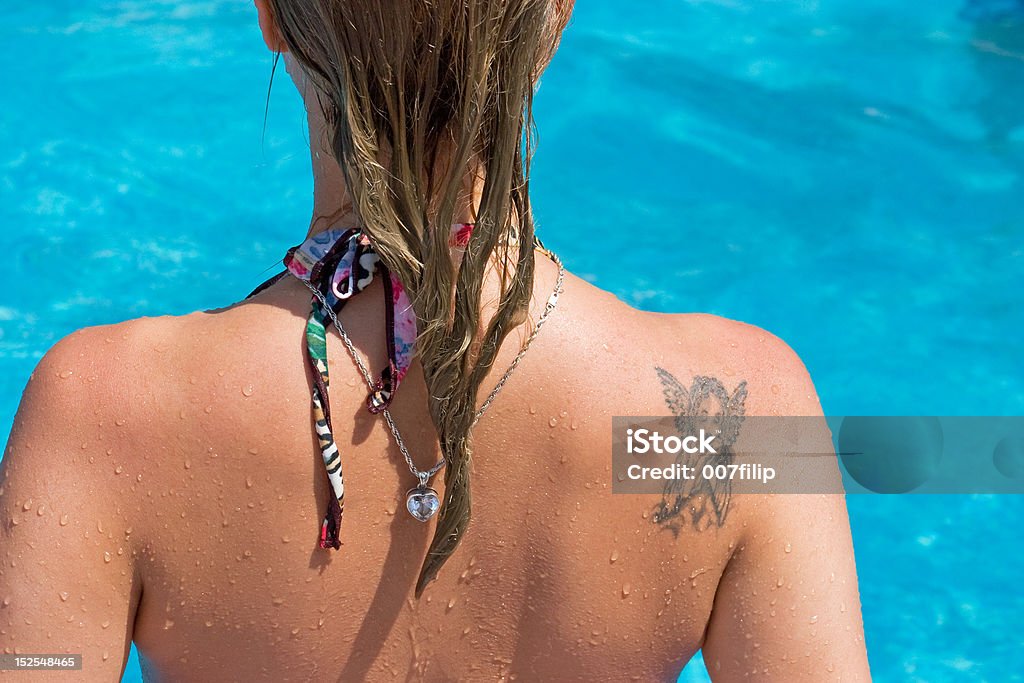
846,173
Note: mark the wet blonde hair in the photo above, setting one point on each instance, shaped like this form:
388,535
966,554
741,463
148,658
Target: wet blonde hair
418,95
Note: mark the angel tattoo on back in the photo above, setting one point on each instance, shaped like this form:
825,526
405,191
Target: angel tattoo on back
706,404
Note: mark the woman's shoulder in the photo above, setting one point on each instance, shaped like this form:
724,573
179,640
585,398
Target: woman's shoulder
626,344
113,352
108,378
93,356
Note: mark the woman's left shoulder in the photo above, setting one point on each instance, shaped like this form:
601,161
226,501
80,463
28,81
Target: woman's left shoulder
98,374
92,355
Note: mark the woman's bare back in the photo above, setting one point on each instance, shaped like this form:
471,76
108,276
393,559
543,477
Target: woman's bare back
174,493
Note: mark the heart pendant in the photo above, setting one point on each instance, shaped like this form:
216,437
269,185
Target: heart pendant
422,502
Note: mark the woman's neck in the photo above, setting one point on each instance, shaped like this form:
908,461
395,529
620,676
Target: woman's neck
332,204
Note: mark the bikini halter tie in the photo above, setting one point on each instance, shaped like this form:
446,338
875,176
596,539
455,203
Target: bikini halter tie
341,263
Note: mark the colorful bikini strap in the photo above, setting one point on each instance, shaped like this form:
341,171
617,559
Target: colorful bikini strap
341,263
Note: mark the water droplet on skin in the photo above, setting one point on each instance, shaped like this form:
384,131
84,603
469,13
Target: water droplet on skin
188,465
814,619
465,631
105,624
208,409
64,595
138,477
574,425
106,655
248,482
168,623
451,603
615,556
120,422
789,548
220,373
63,520
285,539
254,451
533,410
248,390
40,510
192,380
626,588
110,451
553,422
278,601
27,505
106,556
780,582
181,414
65,374
5,602
208,623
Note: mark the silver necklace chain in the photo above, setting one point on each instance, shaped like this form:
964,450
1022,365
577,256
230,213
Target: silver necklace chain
424,475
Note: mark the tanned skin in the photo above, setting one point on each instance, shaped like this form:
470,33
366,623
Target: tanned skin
162,483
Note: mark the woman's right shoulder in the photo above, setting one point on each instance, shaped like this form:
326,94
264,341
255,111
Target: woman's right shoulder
777,380
622,345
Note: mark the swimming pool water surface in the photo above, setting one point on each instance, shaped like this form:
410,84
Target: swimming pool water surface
845,173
